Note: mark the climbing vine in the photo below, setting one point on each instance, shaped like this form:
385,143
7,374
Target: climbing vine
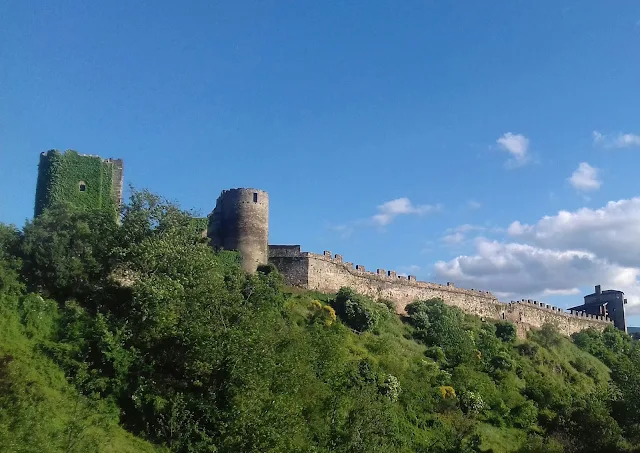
84,181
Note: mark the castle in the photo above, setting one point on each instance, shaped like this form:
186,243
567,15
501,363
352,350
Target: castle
240,221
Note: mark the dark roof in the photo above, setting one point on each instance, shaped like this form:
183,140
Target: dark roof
606,291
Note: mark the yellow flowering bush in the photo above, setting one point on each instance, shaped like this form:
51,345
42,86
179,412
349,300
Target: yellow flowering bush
447,392
324,313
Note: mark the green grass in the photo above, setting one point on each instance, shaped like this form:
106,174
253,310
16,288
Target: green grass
41,412
500,440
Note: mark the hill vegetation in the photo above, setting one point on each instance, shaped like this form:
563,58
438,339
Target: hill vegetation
137,337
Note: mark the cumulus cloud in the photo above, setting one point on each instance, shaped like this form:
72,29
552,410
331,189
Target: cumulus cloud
517,145
585,178
474,204
621,140
513,269
611,231
400,206
557,255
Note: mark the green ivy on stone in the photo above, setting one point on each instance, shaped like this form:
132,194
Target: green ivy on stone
60,175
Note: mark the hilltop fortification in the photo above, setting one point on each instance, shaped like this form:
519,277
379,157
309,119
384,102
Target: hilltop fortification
328,273
240,221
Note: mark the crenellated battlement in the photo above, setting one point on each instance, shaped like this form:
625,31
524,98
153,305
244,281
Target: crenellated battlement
561,312
329,272
379,274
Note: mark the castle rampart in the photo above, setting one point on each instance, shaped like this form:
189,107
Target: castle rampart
328,273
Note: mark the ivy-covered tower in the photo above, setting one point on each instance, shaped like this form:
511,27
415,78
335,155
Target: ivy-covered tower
83,180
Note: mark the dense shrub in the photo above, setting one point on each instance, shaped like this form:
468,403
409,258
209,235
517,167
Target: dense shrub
356,311
437,324
506,331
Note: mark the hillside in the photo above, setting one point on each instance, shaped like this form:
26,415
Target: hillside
138,337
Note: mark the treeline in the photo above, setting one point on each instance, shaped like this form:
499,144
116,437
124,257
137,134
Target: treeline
136,336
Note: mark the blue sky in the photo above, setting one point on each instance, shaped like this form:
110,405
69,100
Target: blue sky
437,138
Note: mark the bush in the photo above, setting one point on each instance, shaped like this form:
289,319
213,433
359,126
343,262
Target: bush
506,331
447,392
391,387
502,362
524,415
471,402
548,336
439,324
355,310
324,314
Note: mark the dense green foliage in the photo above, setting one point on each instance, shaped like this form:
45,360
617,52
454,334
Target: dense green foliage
60,176
200,224
138,336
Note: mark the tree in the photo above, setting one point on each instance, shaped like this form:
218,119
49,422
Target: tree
66,251
506,331
355,310
444,328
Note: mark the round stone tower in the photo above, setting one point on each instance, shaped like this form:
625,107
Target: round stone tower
240,221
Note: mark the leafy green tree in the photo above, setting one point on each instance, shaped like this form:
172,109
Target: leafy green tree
444,328
66,251
10,262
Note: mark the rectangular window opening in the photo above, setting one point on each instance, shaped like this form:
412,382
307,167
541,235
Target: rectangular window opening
255,197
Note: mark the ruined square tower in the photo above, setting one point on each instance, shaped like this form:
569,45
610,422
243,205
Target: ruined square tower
86,181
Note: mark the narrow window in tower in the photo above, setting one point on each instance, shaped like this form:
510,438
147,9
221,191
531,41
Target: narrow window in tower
83,186
255,197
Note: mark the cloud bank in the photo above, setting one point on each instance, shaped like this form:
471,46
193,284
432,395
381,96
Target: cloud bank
557,255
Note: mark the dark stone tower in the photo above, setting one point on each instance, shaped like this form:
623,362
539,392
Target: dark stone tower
610,302
240,221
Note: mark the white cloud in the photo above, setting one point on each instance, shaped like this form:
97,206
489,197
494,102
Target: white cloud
454,238
474,204
400,206
558,255
516,270
610,231
517,145
585,178
622,140
387,212
598,138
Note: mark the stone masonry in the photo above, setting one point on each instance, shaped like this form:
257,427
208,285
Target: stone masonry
328,273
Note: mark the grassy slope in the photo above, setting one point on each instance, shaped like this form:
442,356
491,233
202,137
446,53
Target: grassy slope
41,412
393,348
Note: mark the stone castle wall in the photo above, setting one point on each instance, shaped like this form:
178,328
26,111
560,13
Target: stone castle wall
328,273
